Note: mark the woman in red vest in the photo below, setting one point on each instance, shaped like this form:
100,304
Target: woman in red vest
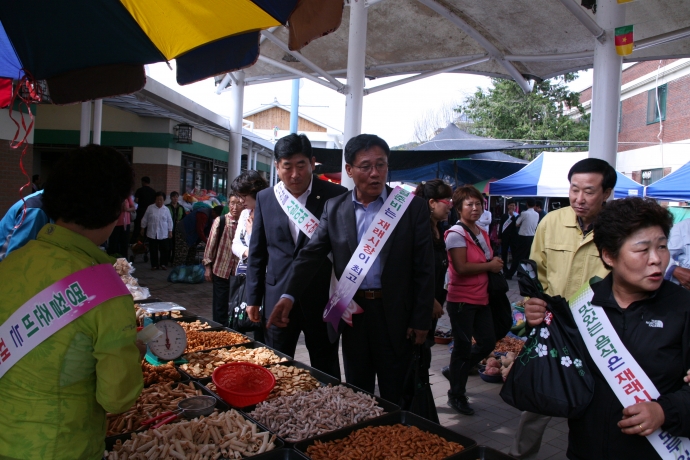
470,259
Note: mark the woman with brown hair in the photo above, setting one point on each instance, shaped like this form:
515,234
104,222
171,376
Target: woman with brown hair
470,259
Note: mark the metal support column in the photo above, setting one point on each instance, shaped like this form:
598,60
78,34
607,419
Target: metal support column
97,120
235,145
294,106
606,85
354,96
85,126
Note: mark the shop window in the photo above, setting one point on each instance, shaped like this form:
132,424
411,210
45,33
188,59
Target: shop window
656,104
195,173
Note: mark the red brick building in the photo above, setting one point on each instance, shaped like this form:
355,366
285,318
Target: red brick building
654,118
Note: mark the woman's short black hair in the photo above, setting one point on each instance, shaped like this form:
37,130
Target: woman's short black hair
621,218
465,192
174,194
93,204
160,194
248,183
434,189
364,142
292,144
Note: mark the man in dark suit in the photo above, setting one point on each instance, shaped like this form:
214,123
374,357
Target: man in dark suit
276,241
397,294
507,236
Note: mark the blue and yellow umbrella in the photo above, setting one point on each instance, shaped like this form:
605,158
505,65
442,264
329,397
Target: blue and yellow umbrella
97,48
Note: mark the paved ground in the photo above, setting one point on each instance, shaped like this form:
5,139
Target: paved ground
494,422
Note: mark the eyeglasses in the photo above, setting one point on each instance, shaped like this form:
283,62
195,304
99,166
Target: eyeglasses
366,169
448,202
234,204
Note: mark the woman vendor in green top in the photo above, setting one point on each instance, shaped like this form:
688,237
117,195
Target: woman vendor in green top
55,399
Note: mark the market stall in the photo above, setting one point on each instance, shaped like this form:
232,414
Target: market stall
673,187
263,403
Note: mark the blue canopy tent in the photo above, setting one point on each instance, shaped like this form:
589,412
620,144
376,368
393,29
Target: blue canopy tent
673,187
547,176
467,170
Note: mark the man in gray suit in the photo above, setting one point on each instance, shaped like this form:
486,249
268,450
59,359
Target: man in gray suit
397,294
276,241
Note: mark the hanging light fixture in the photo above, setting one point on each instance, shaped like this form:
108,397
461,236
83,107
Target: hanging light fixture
182,133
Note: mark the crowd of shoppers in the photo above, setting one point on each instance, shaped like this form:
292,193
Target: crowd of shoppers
301,241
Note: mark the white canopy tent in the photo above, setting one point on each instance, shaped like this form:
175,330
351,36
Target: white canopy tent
519,39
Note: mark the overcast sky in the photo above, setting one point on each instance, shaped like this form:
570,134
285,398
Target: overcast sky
390,113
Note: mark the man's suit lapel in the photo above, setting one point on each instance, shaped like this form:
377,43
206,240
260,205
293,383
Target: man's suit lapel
283,221
347,216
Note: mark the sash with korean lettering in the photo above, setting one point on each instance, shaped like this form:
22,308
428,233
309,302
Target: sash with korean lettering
54,308
627,379
367,251
307,224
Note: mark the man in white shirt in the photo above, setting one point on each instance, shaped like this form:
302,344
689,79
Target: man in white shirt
679,247
527,227
484,221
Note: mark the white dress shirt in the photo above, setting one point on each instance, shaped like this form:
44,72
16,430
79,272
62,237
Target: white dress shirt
527,222
485,220
294,229
157,222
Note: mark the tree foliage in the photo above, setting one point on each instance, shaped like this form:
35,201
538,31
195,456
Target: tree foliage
504,111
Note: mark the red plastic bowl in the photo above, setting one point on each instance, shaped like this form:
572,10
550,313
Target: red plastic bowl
243,384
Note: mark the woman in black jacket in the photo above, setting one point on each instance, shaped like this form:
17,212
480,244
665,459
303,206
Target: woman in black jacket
651,317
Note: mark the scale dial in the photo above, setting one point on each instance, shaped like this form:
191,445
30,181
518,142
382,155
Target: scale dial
172,343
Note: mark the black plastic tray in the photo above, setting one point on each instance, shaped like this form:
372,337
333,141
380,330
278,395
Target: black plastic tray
149,300
405,418
281,454
246,345
221,405
387,406
481,453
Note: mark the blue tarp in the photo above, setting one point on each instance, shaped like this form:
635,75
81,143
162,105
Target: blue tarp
467,172
547,175
674,187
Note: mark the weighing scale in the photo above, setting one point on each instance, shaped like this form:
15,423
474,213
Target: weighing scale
169,346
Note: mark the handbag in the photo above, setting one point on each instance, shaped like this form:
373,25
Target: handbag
237,306
417,396
498,300
549,376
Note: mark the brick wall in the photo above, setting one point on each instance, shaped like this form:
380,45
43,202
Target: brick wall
634,127
164,178
631,73
643,68
11,177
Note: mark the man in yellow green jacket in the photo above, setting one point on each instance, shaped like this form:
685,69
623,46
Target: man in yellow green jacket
55,398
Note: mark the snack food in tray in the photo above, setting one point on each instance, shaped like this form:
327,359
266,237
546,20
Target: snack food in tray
196,325
159,374
202,364
153,401
306,414
388,441
222,434
197,340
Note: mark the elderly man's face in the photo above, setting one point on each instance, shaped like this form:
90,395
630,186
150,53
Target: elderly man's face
369,171
587,195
